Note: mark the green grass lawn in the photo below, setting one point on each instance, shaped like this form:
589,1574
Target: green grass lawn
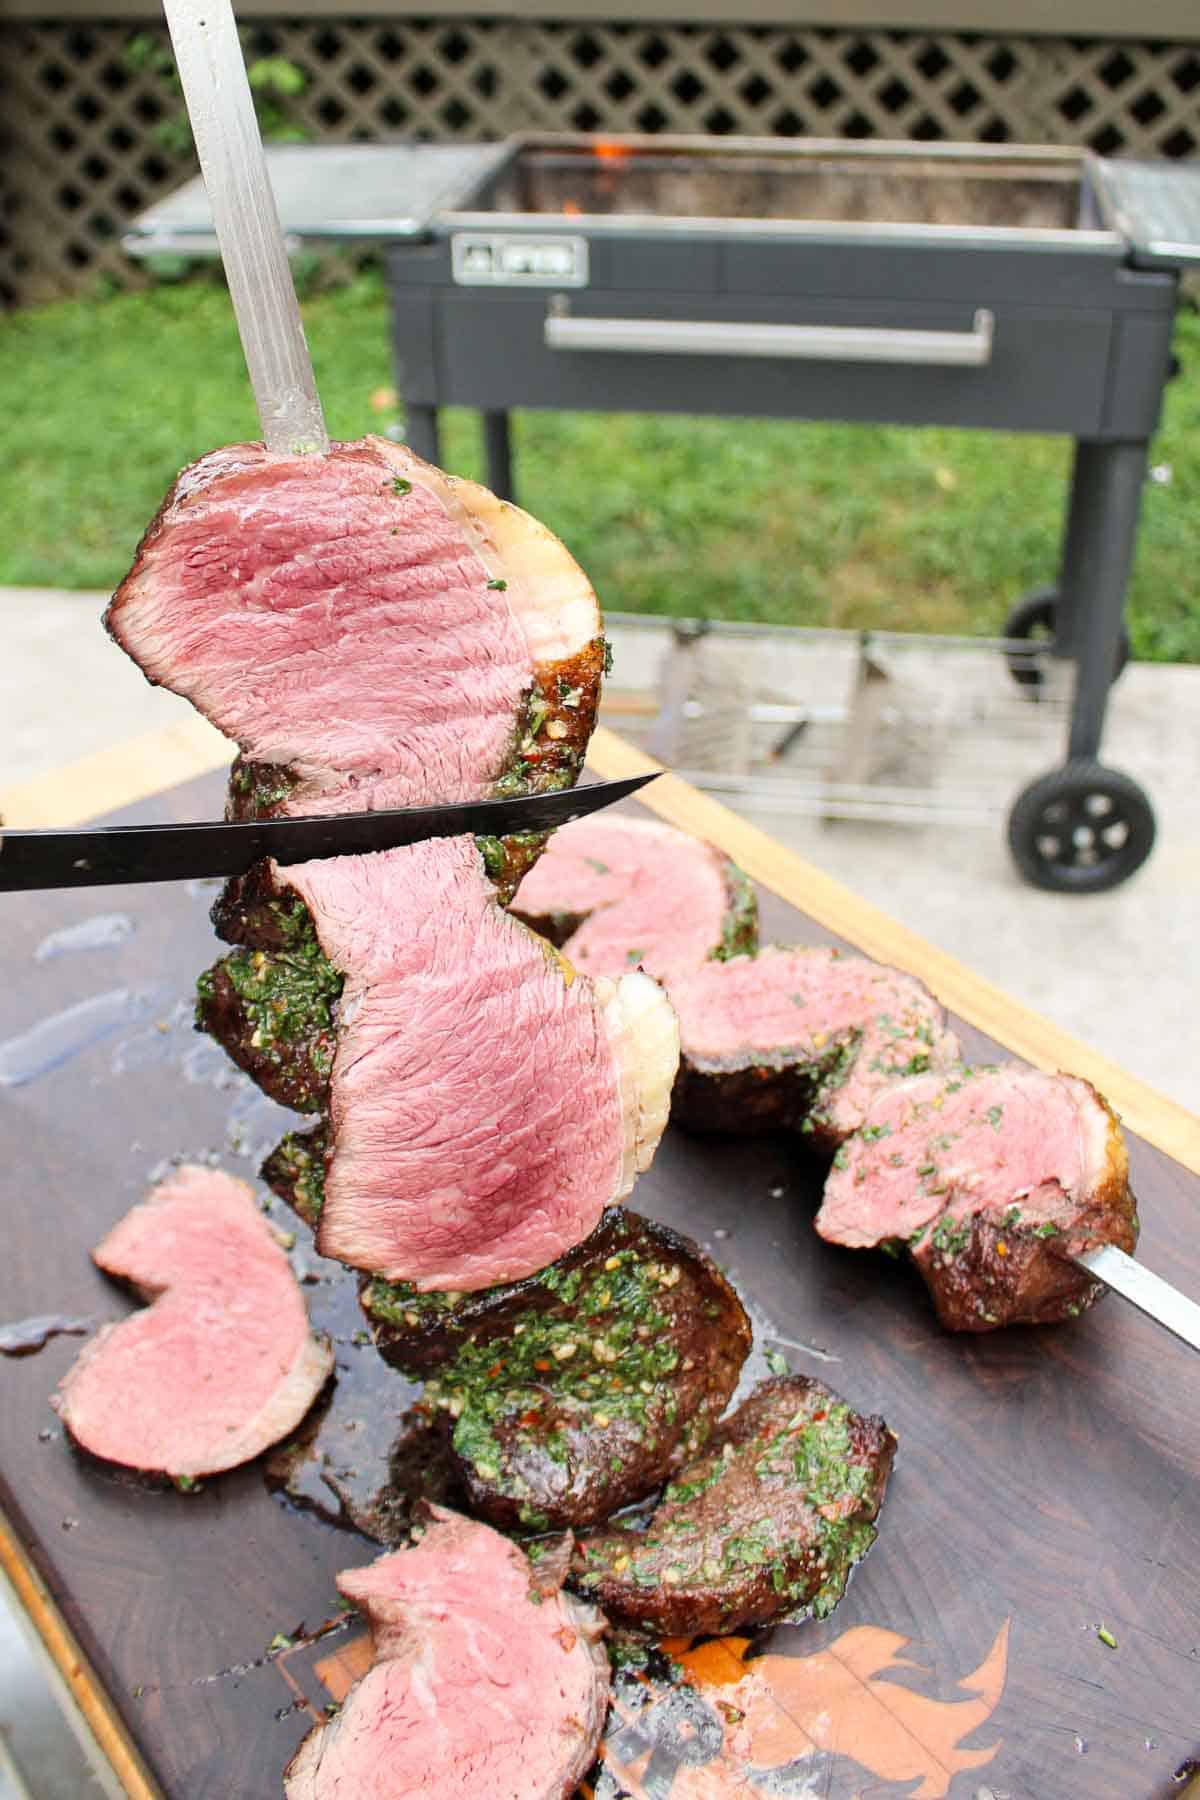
103,402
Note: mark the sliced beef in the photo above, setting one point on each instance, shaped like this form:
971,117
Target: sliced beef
799,1039
371,631
993,1178
618,893
767,1522
222,1364
485,1103
487,1680
608,1372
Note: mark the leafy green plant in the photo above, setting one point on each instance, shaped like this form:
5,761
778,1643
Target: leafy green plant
274,83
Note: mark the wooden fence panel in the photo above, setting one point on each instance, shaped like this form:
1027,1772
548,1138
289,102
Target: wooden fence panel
89,139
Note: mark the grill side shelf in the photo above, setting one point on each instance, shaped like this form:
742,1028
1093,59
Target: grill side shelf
1156,206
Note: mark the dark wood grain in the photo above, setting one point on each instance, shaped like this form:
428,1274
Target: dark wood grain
1047,1477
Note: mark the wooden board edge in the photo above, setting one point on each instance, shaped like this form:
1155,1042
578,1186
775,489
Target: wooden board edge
117,776
78,1678
1161,1121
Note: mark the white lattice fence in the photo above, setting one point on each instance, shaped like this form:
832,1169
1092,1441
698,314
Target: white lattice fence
88,140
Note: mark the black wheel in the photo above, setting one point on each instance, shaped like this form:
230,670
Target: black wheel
1033,620
1081,830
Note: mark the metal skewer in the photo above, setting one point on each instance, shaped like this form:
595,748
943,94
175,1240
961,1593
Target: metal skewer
228,142
1145,1290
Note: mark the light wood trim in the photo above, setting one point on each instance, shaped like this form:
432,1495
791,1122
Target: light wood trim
1161,1121
119,776
1167,19
81,1683
159,759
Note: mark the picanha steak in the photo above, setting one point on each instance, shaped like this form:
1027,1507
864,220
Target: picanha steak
370,631
611,1374
618,893
487,1680
992,1178
485,1103
799,1039
222,1364
767,1522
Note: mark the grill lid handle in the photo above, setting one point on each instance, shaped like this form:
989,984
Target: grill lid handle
804,343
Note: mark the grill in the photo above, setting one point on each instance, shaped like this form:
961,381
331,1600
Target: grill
1004,288
1007,289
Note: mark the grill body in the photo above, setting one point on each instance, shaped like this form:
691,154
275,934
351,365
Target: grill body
908,284
1080,339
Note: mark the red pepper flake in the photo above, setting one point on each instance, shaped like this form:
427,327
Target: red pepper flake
818,1416
532,1417
494,1371
543,1365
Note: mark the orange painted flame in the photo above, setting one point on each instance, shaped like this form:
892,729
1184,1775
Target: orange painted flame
777,1710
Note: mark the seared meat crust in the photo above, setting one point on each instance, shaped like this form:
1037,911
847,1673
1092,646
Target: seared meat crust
581,1391
766,1522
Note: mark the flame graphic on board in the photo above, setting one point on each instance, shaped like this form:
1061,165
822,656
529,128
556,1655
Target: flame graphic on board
739,1724
816,1725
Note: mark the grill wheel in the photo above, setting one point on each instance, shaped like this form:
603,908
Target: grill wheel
1034,620
1081,830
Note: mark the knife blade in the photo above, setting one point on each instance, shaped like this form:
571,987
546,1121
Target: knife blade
1143,1289
104,855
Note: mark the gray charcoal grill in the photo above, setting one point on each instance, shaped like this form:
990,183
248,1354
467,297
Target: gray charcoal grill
1008,289
1004,288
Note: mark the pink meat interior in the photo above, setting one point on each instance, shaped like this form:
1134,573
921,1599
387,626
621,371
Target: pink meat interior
325,620
653,897
783,1006
980,1141
475,1102
475,1688
222,1364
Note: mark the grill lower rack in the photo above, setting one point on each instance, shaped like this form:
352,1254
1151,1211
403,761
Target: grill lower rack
887,727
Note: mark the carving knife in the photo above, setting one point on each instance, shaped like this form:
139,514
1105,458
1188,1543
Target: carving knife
102,855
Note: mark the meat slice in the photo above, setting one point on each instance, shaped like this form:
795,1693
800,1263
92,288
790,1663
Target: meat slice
993,1178
767,1522
370,631
487,1680
619,893
485,1103
799,1039
608,1373
222,1364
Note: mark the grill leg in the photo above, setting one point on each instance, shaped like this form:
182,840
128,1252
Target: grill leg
422,432
1067,609
1101,531
497,449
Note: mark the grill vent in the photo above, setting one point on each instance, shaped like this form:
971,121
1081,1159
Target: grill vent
90,138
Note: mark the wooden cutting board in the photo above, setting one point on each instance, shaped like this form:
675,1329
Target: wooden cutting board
1047,1483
